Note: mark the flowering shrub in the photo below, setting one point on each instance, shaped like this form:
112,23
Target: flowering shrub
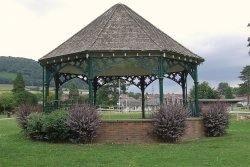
24,111
169,122
84,122
215,118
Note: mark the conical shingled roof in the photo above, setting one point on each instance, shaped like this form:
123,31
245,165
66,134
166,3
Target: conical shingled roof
120,29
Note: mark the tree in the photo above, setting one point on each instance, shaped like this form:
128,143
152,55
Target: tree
18,84
245,86
21,95
25,97
229,93
248,40
205,92
134,95
7,101
236,91
108,95
225,90
73,92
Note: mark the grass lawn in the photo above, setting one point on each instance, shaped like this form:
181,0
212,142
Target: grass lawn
3,116
229,151
124,115
5,87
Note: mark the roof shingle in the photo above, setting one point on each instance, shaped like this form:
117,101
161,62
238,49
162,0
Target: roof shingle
119,29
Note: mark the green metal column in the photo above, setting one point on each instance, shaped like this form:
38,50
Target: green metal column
196,99
160,71
90,81
56,78
47,73
95,89
184,87
46,85
43,91
142,84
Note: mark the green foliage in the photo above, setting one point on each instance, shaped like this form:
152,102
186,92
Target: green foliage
51,96
79,83
23,111
73,92
55,127
169,123
39,96
22,96
229,151
245,86
7,101
235,90
35,125
134,95
225,90
205,92
216,119
25,97
18,84
83,99
84,122
31,70
229,93
7,76
108,95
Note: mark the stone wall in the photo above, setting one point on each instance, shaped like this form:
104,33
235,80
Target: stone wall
140,131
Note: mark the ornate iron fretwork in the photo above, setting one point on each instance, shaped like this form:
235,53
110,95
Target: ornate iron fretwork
178,77
142,71
63,78
188,67
54,69
135,80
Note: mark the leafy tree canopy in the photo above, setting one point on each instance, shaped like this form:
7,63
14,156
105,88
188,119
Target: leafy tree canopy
225,90
108,95
73,92
7,101
21,95
205,92
18,84
31,70
245,86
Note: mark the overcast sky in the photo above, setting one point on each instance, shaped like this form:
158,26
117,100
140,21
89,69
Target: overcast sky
214,29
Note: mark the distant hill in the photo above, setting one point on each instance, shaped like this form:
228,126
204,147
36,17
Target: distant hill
31,70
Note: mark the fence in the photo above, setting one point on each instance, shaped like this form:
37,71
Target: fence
66,105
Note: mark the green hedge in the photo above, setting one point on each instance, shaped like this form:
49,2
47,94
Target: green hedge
35,125
55,126
78,125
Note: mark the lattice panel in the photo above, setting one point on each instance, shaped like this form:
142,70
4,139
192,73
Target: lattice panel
63,78
178,77
138,81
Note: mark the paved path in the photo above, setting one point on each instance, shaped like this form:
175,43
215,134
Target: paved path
1,119
239,112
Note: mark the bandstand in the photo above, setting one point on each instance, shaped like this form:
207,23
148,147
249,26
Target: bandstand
120,44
